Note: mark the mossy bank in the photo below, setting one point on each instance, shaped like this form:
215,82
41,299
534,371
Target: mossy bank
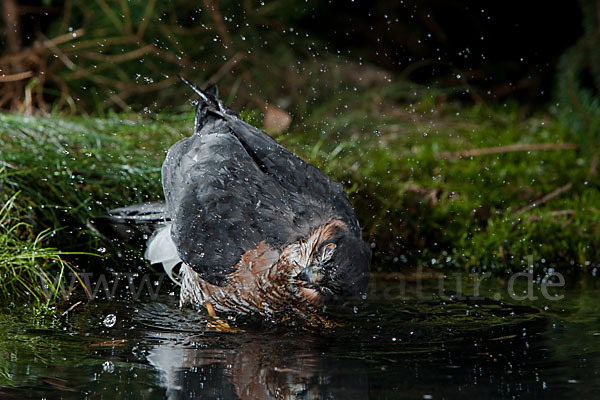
433,184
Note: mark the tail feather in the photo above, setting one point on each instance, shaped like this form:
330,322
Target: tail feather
149,223
130,224
208,105
161,250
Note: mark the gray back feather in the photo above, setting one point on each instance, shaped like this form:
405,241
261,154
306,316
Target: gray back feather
230,186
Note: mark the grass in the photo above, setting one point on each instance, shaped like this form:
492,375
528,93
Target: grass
27,268
416,206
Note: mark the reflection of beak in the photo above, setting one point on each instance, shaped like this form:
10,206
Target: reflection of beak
310,274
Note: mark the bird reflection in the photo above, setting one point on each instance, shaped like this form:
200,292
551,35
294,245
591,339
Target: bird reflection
255,367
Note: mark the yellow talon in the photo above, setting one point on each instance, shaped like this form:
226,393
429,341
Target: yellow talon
218,324
321,322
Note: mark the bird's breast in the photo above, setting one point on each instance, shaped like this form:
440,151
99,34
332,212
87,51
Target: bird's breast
262,284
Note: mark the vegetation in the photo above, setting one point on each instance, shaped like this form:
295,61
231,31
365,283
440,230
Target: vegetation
393,99
426,190
422,184
578,86
27,269
439,177
102,55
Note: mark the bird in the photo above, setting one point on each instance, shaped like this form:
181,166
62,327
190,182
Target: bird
247,227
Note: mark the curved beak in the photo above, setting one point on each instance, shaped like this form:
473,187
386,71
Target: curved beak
310,274
313,274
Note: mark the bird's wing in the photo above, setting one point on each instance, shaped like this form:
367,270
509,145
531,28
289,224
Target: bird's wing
303,181
230,186
130,224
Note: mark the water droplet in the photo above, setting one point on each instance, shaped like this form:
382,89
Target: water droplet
110,320
108,366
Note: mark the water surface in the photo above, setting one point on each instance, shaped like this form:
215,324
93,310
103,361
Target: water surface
403,341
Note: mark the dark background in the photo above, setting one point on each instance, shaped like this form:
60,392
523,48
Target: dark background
508,49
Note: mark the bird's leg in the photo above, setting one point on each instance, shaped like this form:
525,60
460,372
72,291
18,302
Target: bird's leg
210,309
217,323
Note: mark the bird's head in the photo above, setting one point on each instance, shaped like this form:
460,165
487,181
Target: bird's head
333,263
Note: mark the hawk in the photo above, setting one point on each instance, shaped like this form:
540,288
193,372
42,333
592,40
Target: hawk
248,227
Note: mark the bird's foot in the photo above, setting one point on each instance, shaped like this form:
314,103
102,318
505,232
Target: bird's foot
217,323
318,321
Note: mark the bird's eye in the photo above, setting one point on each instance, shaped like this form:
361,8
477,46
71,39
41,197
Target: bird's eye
328,251
326,291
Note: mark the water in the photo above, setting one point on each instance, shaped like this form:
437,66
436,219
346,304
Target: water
399,343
